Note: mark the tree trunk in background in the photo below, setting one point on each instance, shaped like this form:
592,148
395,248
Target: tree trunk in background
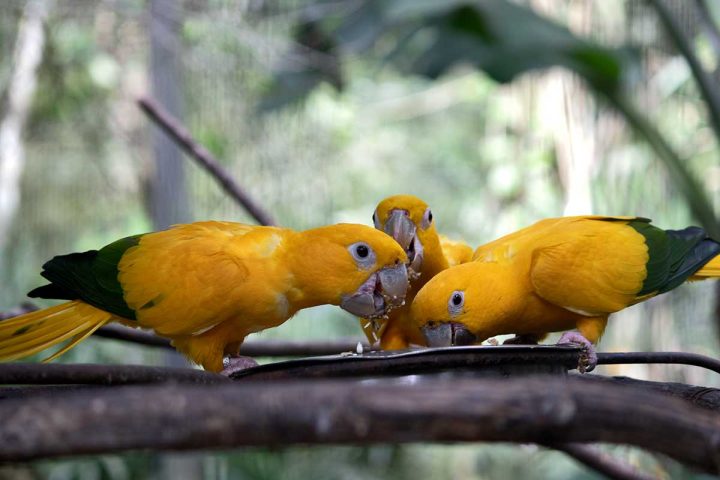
168,192
168,201
21,88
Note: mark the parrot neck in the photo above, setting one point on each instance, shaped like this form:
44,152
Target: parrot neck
434,261
313,271
504,294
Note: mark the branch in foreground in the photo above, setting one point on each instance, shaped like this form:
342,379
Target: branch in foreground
93,374
703,397
542,410
202,156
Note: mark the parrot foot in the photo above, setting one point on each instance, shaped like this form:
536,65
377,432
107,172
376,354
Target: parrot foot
522,340
236,363
588,358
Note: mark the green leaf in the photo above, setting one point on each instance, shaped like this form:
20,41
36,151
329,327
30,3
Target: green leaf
506,40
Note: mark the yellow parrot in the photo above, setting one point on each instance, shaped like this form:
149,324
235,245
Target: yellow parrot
207,285
560,274
409,221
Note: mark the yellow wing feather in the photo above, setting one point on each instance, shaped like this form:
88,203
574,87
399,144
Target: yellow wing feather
210,284
579,269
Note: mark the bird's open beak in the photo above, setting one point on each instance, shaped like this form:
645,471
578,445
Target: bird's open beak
381,292
447,334
403,230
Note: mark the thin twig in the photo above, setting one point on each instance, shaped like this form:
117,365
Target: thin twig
694,192
256,348
678,358
707,86
529,409
202,156
710,28
602,462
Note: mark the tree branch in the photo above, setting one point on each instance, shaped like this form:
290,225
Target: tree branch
708,88
530,409
92,374
204,158
711,28
255,348
602,462
703,397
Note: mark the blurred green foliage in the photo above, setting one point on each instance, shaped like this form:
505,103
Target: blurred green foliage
489,158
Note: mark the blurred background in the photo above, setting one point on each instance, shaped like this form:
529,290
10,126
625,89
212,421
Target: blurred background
320,109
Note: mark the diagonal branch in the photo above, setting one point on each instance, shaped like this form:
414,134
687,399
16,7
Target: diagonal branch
711,28
602,462
204,158
708,87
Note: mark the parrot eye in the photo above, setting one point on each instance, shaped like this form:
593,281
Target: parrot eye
427,219
363,254
456,302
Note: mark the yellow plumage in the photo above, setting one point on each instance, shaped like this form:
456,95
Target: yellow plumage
563,273
415,227
207,285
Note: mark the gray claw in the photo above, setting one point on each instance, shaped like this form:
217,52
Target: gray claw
588,359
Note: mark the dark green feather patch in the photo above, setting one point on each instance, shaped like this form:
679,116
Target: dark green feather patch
675,255
90,276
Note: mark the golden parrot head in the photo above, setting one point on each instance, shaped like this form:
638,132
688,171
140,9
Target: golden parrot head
409,221
460,305
357,267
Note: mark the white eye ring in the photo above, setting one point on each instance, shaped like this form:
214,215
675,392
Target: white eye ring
363,255
456,302
427,219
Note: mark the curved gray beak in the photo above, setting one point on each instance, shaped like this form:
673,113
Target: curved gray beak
393,284
401,228
381,292
447,334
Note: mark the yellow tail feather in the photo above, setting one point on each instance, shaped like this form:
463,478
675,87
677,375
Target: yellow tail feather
709,270
35,331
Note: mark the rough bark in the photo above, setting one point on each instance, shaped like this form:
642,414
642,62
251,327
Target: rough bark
544,410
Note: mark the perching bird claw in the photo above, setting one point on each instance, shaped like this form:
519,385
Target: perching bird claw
588,357
236,363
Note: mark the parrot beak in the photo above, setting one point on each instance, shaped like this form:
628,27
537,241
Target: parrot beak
382,291
403,230
447,334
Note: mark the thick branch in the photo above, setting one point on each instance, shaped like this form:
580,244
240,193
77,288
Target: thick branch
543,410
91,374
703,397
202,156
